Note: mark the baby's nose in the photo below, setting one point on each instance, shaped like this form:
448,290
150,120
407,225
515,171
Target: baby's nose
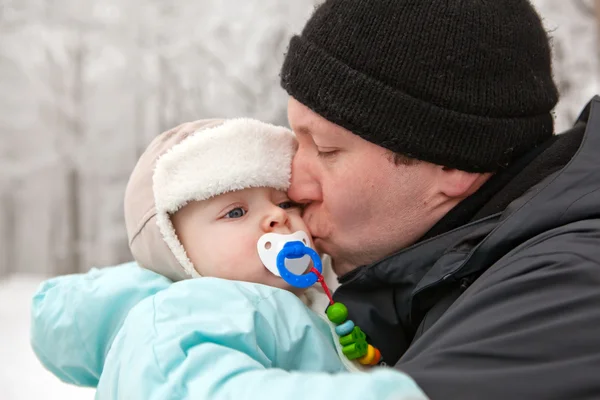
276,219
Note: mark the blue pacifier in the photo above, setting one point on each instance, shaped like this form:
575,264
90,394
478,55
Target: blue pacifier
289,257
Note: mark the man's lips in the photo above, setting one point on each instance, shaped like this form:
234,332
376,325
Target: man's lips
309,219
312,223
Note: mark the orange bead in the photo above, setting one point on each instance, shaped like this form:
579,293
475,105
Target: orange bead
368,358
377,357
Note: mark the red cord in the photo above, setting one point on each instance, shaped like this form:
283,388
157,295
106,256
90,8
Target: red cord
323,284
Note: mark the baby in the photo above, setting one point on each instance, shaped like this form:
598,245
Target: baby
203,194
208,200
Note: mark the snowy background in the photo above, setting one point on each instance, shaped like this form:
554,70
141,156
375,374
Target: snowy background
86,85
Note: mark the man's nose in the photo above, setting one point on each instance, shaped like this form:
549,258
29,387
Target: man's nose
275,219
304,188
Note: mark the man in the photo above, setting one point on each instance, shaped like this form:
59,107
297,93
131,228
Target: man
466,236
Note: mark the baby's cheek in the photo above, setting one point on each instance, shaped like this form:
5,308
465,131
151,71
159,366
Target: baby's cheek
241,261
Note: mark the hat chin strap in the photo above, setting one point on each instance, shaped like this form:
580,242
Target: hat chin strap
167,231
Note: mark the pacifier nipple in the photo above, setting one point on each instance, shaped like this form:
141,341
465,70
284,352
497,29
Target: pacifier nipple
270,245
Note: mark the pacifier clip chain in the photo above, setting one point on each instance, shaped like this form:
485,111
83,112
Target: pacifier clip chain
321,280
352,338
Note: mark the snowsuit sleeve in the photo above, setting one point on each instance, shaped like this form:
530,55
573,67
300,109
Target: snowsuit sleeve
74,318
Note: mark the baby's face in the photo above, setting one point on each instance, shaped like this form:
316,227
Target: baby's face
220,234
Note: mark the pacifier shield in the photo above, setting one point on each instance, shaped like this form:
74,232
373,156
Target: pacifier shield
270,245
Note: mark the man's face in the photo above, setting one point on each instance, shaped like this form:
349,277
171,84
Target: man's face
360,205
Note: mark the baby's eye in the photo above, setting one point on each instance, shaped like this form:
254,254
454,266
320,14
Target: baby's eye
237,212
287,204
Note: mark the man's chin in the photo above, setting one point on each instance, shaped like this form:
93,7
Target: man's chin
341,266
320,245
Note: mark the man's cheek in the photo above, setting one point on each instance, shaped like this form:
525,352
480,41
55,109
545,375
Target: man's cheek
349,200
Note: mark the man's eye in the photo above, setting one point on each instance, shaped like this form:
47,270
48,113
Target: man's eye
326,154
237,212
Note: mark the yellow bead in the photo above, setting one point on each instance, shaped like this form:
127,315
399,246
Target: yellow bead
368,358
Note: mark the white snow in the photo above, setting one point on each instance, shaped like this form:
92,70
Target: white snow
22,377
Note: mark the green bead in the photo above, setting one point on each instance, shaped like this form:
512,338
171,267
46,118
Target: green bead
355,350
337,313
355,336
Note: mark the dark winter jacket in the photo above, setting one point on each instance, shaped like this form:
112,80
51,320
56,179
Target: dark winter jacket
506,304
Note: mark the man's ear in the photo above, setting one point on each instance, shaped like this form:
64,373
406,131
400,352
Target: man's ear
458,184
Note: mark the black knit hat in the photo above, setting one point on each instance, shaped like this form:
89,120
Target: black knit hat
464,84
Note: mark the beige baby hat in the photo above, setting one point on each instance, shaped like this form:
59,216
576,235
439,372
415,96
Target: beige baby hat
194,162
